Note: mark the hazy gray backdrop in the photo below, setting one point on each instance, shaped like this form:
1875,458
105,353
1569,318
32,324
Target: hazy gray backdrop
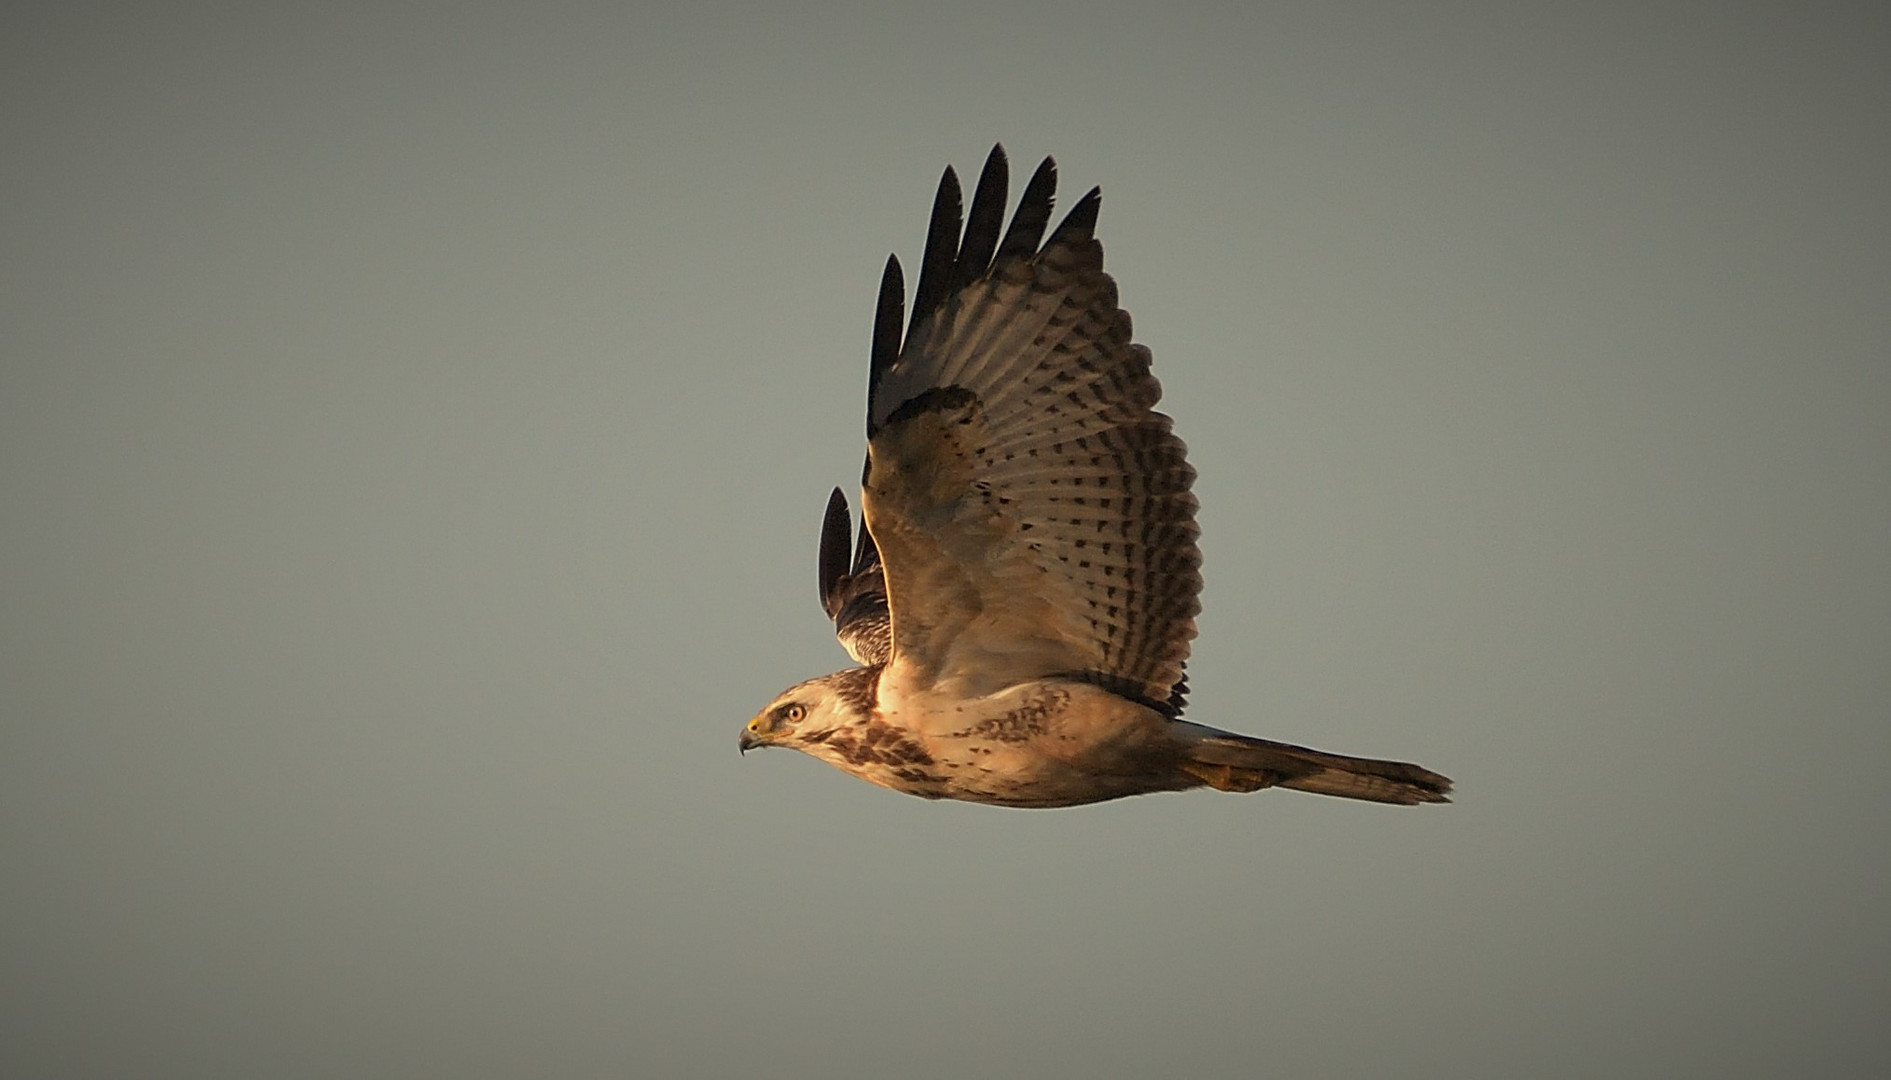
414,426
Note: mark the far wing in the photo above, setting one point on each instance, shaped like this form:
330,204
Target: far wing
854,598
1031,509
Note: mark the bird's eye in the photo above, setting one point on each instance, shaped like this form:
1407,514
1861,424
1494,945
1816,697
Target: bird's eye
793,713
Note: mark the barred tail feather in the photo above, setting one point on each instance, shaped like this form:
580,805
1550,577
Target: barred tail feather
1230,762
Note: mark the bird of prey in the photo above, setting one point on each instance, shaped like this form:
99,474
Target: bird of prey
1024,588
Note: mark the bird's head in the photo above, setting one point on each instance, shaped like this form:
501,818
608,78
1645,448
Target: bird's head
806,712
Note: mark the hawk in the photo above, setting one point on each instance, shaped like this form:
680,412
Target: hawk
1024,588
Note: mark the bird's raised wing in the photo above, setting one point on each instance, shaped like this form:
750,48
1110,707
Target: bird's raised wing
853,593
1031,510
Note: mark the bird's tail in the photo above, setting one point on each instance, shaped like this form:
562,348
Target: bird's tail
1231,762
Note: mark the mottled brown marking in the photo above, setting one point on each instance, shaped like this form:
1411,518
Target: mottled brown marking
877,743
858,687
1020,724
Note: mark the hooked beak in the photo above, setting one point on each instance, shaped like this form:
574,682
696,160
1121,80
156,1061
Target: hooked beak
750,738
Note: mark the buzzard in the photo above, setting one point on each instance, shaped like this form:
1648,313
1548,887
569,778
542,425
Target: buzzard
1024,587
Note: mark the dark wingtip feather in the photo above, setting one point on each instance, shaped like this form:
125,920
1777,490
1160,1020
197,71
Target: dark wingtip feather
986,218
866,552
1034,213
1081,222
836,538
942,247
886,329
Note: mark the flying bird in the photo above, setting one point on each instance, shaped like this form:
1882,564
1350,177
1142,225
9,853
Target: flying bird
1023,590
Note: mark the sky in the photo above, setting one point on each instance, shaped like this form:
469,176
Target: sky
415,422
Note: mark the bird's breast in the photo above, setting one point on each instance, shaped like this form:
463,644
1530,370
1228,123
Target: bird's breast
1041,744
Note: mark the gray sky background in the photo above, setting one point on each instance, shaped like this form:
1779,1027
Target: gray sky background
414,426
